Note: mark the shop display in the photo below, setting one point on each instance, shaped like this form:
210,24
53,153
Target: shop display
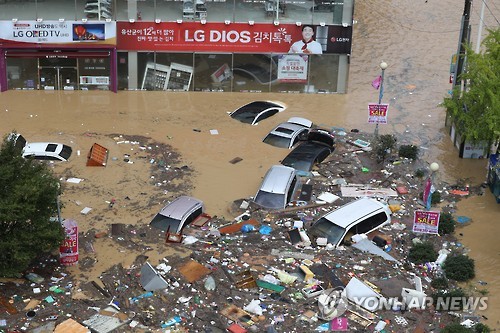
161,77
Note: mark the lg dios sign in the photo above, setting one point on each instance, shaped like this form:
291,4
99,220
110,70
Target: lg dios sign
218,36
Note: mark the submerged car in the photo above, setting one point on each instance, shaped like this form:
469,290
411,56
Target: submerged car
361,216
41,150
47,151
278,187
319,145
254,112
287,134
177,214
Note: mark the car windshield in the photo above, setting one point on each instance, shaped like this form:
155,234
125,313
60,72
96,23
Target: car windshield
325,228
66,152
247,113
277,141
298,164
165,223
270,200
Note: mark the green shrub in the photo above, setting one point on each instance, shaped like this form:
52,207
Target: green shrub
446,224
383,145
439,283
408,151
481,328
435,198
441,302
459,268
455,328
422,252
420,173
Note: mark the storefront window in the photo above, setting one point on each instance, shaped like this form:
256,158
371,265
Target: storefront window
57,10
94,73
329,11
179,70
212,72
147,78
21,10
22,73
254,10
122,68
146,10
254,72
321,80
126,10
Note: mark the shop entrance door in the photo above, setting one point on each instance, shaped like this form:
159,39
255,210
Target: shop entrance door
58,78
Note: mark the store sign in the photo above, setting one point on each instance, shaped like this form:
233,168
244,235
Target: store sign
292,68
426,222
68,250
219,37
94,80
55,32
377,113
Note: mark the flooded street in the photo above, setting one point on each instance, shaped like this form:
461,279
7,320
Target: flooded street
416,39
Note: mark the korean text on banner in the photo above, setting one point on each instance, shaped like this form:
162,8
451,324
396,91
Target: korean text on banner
377,113
426,222
68,251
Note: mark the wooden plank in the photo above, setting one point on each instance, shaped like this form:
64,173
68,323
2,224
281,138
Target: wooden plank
236,227
4,303
193,271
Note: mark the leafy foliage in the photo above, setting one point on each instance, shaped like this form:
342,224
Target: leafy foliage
422,252
419,173
28,201
476,111
459,267
444,297
383,145
446,224
435,198
481,328
408,151
439,283
455,328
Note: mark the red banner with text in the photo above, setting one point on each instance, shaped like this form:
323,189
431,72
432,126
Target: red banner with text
234,37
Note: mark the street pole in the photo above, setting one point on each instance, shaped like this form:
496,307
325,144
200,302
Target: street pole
383,65
464,36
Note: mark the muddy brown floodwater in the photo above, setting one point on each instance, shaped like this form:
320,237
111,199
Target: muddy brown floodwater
415,38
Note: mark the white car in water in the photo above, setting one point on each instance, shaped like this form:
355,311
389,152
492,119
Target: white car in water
47,151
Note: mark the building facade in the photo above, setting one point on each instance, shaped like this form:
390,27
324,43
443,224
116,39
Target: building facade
293,46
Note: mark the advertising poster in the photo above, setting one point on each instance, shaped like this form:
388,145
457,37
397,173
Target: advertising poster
426,222
292,68
234,37
68,251
377,113
55,32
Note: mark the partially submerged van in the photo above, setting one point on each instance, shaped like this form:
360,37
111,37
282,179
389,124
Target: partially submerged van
361,216
277,188
177,214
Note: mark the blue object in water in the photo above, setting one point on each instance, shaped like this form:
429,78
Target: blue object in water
247,228
463,219
265,230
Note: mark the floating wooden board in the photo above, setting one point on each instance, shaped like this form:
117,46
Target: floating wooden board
193,271
231,229
238,315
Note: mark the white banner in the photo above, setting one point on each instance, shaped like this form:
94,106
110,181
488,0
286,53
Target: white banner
292,68
56,32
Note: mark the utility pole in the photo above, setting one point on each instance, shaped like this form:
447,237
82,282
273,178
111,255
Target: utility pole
464,37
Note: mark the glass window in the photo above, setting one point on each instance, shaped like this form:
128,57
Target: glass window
99,10
171,10
122,68
126,10
292,73
297,11
321,81
256,10
22,73
327,11
180,70
94,73
55,10
147,77
253,72
212,72
146,10
22,10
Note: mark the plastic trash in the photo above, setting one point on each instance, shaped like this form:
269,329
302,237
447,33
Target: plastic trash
247,228
380,326
210,283
171,322
271,329
265,230
254,307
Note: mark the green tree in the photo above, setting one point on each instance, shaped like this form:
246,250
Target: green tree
476,111
28,201
459,268
455,328
446,224
422,252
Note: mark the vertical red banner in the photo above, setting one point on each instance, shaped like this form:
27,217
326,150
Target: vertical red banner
68,251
